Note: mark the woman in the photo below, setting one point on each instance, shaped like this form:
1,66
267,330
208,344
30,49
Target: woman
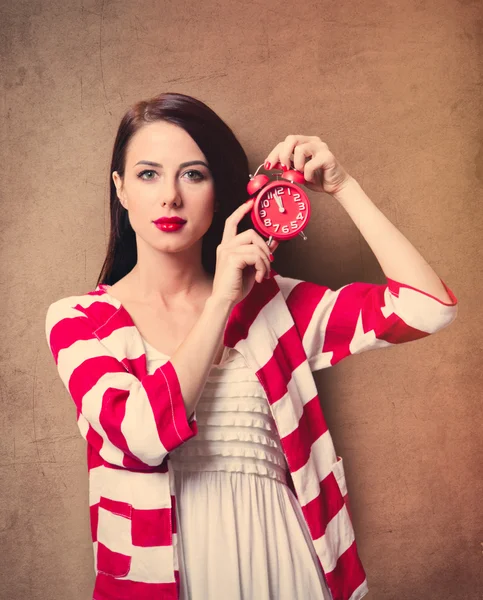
212,473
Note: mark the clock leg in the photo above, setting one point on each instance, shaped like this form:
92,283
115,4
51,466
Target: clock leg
303,235
270,239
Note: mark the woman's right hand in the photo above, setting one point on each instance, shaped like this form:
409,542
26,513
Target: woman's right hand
241,259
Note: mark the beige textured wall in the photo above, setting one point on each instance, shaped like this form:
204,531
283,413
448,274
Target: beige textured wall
394,88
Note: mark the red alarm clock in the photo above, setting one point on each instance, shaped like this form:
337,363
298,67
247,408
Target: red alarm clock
281,209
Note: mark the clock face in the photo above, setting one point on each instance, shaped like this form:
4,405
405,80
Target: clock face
281,210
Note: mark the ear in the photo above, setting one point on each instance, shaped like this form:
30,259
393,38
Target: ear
119,188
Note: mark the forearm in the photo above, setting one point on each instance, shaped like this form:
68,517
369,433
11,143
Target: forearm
398,258
194,358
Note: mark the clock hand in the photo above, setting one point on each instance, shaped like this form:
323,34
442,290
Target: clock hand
278,200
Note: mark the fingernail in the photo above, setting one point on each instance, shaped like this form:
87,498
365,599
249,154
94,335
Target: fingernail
267,165
271,257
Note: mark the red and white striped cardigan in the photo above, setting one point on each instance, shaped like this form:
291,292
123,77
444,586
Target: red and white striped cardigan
285,329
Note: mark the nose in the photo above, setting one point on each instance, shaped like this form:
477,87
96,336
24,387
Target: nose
169,193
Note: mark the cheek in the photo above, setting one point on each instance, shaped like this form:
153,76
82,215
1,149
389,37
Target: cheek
139,216
203,206
205,219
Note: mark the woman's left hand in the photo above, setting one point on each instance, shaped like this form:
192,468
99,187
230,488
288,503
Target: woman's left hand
322,172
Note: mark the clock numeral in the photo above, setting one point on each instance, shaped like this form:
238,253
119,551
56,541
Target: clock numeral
265,203
276,225
285,229
300,216
268,222
263,213
280,191
294,224
296,197
301,205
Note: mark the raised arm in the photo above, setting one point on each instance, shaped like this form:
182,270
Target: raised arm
361,316
414,302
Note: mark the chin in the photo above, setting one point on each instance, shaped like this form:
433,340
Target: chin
176,243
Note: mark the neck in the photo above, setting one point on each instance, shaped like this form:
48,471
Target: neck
169,276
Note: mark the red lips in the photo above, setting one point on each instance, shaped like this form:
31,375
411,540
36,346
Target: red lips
170,220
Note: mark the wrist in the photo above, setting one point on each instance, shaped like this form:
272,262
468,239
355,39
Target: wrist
219,306
347,189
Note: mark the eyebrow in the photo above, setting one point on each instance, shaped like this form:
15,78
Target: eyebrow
182,165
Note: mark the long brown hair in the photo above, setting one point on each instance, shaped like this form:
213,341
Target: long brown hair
226,158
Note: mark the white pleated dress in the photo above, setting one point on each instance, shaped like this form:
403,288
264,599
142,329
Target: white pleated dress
241,531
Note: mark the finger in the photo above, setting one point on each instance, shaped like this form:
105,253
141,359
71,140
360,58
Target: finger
262,262
301,152
322,159
250,236
283,151
293,145
231,223
252,255
272,158
311,166
274,244
265,272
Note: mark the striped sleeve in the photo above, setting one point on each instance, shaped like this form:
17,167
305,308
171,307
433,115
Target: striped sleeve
360,316
132,423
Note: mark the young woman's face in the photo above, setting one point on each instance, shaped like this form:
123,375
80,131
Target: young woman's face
177,183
